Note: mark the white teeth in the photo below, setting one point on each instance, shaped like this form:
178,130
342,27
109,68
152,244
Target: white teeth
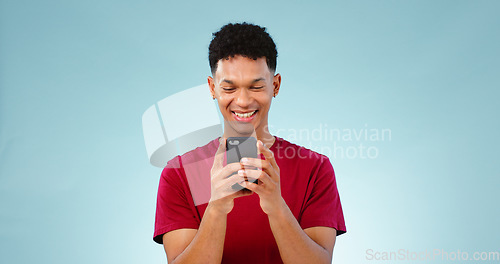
245,115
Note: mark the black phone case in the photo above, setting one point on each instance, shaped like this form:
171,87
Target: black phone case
239,147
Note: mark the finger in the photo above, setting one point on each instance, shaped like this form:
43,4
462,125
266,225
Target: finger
268,154
230,181
240,193
258,163
219,155
253,162
234,194
251,175
252,186
228,186
226,171
224,188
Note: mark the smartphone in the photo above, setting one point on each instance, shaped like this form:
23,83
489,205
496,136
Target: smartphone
239,147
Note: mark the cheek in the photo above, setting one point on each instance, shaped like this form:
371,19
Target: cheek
223,102
224,96
265,102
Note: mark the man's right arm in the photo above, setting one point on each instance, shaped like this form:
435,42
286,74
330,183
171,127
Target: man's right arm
206,244
203,245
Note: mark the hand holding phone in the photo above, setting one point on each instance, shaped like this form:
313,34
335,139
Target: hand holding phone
222,179
239,147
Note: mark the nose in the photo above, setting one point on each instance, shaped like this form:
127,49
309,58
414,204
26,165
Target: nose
243,98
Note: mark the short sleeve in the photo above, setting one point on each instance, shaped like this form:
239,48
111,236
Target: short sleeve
174,209
323,207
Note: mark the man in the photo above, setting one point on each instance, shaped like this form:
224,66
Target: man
292,215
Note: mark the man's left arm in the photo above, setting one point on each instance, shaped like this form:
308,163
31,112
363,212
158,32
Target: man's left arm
311,245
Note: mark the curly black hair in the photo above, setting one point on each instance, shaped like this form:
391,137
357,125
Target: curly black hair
244,39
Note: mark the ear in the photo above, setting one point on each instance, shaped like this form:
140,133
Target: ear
211,86
276,83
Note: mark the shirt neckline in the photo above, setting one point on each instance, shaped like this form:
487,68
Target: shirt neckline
273,146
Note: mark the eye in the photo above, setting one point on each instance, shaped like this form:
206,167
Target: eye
256,87
228,89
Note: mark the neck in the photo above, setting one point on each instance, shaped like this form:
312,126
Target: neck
261,134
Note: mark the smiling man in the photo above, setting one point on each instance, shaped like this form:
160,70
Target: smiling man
291,215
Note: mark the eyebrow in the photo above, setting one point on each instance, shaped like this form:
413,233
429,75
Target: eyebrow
254,81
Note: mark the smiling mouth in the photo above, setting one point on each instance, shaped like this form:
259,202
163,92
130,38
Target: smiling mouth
245,115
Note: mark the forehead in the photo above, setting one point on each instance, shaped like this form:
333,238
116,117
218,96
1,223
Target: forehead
240,68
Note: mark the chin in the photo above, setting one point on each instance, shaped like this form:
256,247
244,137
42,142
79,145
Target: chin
243,129
245,132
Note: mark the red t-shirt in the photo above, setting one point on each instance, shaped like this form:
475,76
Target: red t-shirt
307,185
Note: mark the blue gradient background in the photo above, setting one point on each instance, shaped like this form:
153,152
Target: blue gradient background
76,76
